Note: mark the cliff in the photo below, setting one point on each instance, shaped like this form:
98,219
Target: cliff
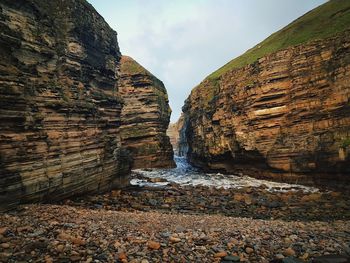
59,106
176,133
285,115
145,117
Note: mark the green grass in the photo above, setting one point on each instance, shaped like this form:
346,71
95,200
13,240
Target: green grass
345,143
130,66
322,22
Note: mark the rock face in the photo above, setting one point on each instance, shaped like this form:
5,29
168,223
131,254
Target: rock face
59,106
174,133
145,116
289,112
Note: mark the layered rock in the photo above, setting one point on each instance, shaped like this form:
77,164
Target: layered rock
176,133
59,106
289,112
145,116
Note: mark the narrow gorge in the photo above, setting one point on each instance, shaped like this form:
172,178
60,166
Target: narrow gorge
256,168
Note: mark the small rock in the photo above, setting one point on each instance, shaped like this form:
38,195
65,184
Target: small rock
249,250
331,259
220,254
122,256
153,245
232,258
60,248
78,241
3,230
174,239
48,259
117,244
291,260
289,252
5,245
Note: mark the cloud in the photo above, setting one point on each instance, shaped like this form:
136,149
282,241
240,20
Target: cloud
181,41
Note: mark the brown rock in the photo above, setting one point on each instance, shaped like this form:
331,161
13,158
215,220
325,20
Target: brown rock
5,245
145,116
60,248
153,245
3,230
117,244
249,250
122,256
78,241
60,113
48,259
173,239
270,114
289,252
220,254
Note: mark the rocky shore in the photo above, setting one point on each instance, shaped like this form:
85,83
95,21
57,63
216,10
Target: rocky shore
181,224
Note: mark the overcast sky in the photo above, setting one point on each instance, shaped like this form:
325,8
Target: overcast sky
183,41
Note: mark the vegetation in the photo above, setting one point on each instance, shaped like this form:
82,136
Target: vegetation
130,66
322,22
346,143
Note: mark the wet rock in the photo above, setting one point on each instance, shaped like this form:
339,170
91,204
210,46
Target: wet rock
232,258
332,259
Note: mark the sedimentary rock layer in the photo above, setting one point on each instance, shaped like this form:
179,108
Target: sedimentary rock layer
176,133
59,106
287,112
145,116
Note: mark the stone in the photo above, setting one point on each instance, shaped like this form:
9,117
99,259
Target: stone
332,259
60,248
249,250
3,230
220,254
173,239
122,256
153,245
291,260
5,245
289,252
232,258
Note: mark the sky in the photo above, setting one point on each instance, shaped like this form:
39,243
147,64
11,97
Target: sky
183,41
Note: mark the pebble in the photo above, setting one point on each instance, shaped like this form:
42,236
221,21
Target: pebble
5,245
220,254
232,258
173,239
201,224
249,250
3,230
288,252
153,245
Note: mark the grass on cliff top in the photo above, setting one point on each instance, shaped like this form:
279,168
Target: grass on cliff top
130,66
322,22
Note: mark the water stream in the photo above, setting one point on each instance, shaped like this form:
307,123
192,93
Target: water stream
186,175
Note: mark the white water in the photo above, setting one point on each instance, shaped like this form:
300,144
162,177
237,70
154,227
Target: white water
184,174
